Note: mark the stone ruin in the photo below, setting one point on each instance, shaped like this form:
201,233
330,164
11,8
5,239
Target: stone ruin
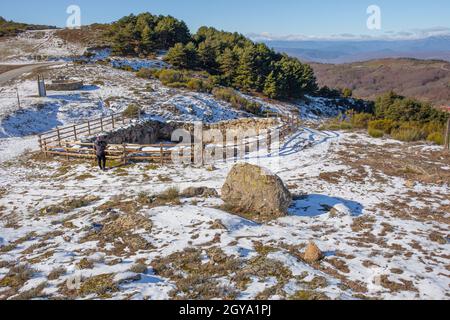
152,131
64,84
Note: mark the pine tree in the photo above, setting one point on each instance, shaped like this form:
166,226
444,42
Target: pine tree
191,56
176,56
148,44
271,87
207,57
227,65
246,71
172,31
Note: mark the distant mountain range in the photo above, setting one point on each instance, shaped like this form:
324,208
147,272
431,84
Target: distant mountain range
347,51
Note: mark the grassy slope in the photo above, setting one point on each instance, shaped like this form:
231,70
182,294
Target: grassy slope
425,80
89,36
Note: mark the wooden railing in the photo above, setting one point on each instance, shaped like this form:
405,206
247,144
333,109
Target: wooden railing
160,153
58,136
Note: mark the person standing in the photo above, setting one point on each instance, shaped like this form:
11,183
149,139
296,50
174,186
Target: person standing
100,146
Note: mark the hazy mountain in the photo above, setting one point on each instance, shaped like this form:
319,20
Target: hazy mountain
345,51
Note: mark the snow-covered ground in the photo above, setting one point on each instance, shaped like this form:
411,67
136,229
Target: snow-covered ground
372,251
31,45
377,208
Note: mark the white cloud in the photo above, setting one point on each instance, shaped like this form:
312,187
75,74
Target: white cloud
412,34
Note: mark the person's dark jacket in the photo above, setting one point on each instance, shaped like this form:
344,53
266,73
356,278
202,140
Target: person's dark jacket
100,147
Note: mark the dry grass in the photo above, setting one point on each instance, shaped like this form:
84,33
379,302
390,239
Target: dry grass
200,281
16,277
101,286
56,273
69,205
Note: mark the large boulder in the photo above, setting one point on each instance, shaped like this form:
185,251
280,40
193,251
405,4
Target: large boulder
256,193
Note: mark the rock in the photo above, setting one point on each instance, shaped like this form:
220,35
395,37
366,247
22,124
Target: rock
312,253
211,168
218,225
202,192
254,191
340,210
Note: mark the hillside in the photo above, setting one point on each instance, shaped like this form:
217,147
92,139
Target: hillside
424,80
11,28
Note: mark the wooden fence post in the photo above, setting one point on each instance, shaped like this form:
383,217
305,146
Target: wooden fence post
269,141
112,119
67,151
89,127
447,135
101,124
124,160
75,132
40,143
59,137
161,153
45,148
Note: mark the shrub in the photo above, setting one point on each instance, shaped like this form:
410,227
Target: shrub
169,76
145,73
126,68
361,120
171,194
408,134
436,137
56,273
178,85
237,101
375,133
132,111
432,127
384,125
199,85
347,93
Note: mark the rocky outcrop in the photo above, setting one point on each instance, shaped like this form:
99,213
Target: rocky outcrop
256,193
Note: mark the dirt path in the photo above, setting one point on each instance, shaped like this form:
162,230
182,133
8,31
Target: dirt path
12,74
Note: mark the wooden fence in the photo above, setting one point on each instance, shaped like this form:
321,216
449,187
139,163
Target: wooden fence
58,136
64,142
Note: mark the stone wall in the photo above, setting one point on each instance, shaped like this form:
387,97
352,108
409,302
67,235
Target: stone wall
64,85
151,131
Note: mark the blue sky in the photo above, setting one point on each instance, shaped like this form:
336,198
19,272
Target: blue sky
277,17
